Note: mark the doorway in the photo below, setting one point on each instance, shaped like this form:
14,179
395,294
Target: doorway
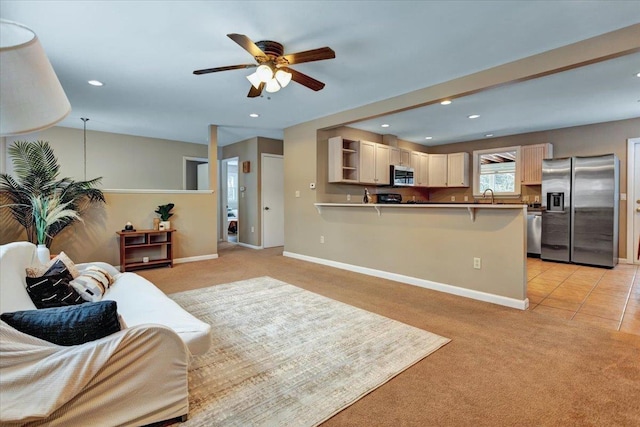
633,200
272,181
195,173
231,216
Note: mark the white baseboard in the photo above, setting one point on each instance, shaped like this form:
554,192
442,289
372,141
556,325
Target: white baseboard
246,245
195,258
428,284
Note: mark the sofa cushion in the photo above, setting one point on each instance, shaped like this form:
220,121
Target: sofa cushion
92,283
53,288
70,325
40,269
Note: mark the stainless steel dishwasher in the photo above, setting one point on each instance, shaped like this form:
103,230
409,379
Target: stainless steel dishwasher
534,233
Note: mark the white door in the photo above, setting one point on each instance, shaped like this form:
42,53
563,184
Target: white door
272,177
203,176
633,200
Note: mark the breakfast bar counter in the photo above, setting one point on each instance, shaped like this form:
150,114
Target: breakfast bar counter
470,207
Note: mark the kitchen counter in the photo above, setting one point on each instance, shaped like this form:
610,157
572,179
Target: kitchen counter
470,207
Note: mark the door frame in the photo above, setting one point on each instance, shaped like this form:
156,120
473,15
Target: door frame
224,199
632,145
262,227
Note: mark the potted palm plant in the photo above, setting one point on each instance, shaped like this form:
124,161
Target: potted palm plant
38,199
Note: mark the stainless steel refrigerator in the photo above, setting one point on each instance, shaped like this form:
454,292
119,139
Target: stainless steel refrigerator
580,210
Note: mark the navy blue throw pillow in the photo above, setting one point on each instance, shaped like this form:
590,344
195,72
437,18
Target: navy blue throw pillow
52,289
71,325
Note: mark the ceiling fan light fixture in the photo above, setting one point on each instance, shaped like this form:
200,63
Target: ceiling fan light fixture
254,79
272,86
265,73
283,77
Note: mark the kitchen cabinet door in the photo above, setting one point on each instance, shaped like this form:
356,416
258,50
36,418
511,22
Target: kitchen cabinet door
437,170
382,171
367,162
398,156
532,156
420,165
458,170
374,163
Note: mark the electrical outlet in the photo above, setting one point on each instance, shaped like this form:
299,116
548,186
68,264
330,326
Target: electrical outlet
477,263
453,198
321,239
297,193
348,197
466,198
536,199
253,229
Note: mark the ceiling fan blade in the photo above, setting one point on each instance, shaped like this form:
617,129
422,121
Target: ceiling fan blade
305,80
246,43
230,67
253,92
310,55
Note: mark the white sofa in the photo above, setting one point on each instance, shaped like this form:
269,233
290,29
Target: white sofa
133,377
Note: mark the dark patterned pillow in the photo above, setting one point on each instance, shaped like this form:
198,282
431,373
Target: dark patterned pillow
72,325
53,289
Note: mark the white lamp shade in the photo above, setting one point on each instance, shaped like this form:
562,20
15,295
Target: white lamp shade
283,77
272,86
265,73
255,80
31,96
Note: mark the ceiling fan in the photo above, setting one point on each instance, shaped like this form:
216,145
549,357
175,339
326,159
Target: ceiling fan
273,70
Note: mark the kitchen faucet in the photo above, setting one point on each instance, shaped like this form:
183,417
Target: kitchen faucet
485,194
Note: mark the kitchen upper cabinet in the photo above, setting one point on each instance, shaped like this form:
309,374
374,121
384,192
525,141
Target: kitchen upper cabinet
420,165
448,170
398,156
437,175
458,170
343,160
374,163
532,156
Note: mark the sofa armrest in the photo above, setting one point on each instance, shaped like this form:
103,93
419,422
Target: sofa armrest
134,377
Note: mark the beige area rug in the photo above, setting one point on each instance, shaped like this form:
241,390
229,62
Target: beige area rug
284,356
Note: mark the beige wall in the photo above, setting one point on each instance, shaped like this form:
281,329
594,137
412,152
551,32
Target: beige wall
95,239
249,203
303,224
123,161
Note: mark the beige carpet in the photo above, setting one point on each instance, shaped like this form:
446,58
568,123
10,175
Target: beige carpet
282,355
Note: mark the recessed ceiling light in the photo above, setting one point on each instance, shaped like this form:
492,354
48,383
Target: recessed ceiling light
474,116
445,102
385,125
428,137
254,115
489,135
638,75
95,83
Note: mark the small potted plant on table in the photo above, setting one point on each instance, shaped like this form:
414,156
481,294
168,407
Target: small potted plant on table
165,213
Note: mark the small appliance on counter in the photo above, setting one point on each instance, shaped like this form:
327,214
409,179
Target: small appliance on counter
389,198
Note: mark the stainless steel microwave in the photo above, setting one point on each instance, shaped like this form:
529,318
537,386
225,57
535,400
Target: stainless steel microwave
402,176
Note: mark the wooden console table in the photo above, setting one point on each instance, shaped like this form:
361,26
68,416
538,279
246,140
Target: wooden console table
136,245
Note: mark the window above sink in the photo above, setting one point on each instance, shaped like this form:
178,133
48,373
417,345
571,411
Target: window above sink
497,169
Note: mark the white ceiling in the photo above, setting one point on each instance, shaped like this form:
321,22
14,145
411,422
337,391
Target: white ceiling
145,52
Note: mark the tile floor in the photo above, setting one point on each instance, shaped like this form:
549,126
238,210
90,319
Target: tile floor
609,298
